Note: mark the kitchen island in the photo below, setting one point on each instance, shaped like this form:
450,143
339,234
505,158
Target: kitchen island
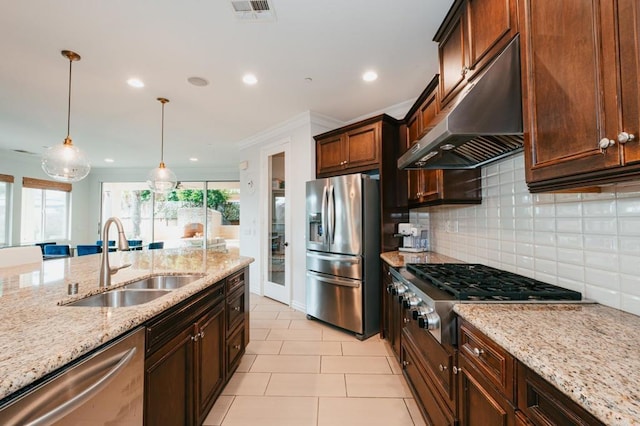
39,334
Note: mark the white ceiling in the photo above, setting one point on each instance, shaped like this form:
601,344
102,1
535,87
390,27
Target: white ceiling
164,42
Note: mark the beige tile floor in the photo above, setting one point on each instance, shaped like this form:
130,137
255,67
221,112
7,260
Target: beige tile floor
300,372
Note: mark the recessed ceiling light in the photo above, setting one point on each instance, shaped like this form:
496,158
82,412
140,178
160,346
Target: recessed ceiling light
250,79
198,81
108,160
369,76
135,82
194,159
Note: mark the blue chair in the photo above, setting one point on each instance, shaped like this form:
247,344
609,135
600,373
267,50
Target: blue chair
112,243
83,250
135,244
45,244
57,250
156,245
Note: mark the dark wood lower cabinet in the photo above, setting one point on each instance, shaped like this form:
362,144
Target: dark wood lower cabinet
168,390
209,365
479,403
192,350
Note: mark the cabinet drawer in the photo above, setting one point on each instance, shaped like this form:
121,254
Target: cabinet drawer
235,350
433,408
496,364
543,404
235,281
235,310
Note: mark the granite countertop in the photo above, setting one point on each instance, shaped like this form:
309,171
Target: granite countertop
38,335
397,259
590,352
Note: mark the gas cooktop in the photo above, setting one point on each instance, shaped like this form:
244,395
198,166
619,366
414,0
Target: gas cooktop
466,281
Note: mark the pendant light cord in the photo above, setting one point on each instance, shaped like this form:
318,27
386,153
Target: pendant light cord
69,100
162,137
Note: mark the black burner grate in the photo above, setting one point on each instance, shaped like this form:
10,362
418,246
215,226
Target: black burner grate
480,282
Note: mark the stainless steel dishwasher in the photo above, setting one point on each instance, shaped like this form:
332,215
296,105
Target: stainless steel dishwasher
104,388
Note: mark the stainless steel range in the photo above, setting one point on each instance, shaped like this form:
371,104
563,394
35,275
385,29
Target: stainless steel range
431,290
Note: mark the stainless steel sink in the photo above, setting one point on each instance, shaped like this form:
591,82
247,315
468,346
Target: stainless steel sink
163,282
120,298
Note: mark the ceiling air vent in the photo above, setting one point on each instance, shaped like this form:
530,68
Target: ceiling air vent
249,10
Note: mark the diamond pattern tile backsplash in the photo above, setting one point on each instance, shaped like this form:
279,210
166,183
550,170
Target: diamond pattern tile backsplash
589,242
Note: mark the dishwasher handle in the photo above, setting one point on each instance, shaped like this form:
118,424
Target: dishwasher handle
68,406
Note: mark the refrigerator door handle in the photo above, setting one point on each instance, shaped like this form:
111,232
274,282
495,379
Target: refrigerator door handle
332,215
343,282
323,213
335,258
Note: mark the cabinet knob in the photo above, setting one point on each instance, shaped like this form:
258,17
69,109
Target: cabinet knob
456,370
405,363
195,337
406,320
442,367
237,347
237,309
201,334
605,143
624,137
464,71
478,351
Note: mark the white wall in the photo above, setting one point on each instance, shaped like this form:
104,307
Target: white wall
26,165
586,242
299,132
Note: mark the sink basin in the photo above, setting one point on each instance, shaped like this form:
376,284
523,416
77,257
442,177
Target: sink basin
120,298
163,282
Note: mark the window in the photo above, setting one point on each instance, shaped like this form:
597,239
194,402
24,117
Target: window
45,211
178,218
6,183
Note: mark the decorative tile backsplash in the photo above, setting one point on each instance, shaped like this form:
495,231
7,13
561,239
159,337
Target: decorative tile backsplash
589,242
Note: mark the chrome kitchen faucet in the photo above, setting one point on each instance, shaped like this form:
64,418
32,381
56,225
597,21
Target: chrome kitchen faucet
105,270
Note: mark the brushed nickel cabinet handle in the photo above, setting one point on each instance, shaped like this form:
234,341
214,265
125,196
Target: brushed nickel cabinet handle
624,137
478,351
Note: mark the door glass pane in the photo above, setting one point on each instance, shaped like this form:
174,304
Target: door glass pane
55,215
223,230
179,217
132,203
277,209
31,216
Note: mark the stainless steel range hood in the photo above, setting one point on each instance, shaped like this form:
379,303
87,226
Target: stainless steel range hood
484,124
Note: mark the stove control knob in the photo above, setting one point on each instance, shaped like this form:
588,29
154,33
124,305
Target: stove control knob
399,289
411,302
421,311
430,321
390,289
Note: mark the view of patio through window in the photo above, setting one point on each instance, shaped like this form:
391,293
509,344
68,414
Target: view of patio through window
184,217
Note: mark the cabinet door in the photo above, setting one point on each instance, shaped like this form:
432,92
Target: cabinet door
235,310
491,25
168,383
629,46
235,350
480,404
453,56
415,182
363,146
427,114
209,364
567,70
413,130
330,155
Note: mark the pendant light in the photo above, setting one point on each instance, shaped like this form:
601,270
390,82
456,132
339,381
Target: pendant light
66,162
161,179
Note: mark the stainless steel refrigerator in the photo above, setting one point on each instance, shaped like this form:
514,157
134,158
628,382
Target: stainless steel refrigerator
343,252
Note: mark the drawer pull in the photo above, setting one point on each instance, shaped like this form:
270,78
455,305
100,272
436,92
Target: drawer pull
405,363
457,370
237,347
406,320
442,367
202,334
237,308
478,351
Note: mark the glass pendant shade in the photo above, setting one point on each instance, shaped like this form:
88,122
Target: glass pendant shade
162,179
66,163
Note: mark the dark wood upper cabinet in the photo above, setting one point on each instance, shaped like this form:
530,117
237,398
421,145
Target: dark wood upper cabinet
472,34
350,151
580,89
